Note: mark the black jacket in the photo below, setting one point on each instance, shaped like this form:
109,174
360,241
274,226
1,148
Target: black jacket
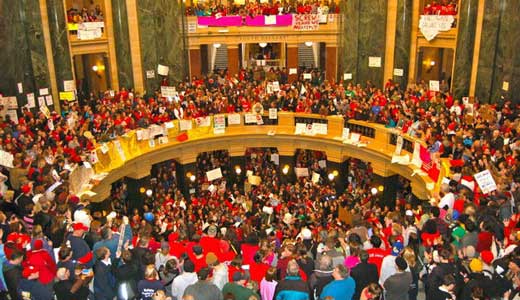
12,276
364,273
317,281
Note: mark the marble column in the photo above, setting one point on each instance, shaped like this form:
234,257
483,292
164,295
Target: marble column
15,53
122,43
195,62
233,60
371,40
348,38
488,47
292,60
466,25
60,42
163,40
331,65
402,40
507,62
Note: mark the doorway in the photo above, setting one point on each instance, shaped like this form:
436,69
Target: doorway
435,64
92,74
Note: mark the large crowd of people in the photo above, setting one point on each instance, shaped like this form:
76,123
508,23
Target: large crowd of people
263,9
277,239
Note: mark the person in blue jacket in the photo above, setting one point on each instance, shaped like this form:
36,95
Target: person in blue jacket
292,287
343,286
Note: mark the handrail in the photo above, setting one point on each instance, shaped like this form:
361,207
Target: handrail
122,155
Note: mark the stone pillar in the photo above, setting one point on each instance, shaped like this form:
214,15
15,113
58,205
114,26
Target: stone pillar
466,25
60,42
292,60
402,40
363,35
498,59
163,40
22,54
195,62
331,62
233,59
122,43
349,38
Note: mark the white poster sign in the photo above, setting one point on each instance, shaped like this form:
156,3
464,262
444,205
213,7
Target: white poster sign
434,85
347,76
48,100
301,172
13,115
398,72
485,181
273,113
431,25
293,71
69,86
250,118
307,76
30,101
270,20
185,125
41,101
163,70
44,91
168,91
234,119
6,159
345,135
214,174
374,61
399,145
275,158
150,74
219,125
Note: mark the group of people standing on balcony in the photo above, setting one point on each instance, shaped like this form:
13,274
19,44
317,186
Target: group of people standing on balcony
258,9
442,7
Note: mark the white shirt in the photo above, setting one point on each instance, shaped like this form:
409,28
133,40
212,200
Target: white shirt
181,282
448,199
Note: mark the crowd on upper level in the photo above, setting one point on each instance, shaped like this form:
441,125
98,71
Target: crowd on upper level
442,8
461,240
258,9
85,14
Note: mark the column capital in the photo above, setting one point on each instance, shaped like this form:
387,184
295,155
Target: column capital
232,46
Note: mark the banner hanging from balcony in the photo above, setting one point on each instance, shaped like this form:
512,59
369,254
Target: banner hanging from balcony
306,22
279,20
432,25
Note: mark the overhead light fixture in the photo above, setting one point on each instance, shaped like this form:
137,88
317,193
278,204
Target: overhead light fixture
149,192
309,44
331,176
238,170
373,191
285,169
192,178
95,68
217,45
262,45
381,188
432,63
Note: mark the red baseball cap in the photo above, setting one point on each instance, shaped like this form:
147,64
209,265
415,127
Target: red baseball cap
487,256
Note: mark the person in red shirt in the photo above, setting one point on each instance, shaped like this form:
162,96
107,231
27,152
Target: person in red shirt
197,257
40,259
209,242
376,254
